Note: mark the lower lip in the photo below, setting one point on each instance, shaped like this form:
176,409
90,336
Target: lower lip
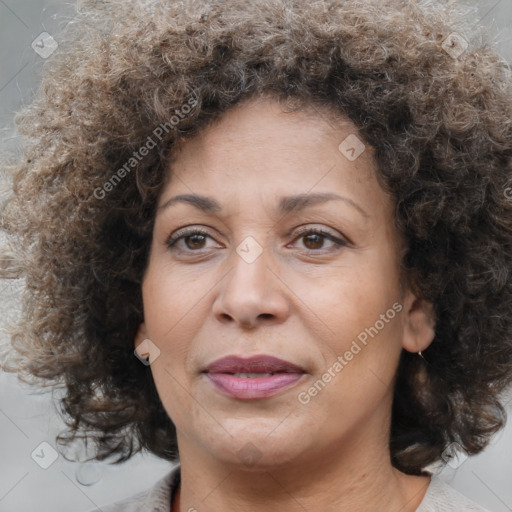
253,387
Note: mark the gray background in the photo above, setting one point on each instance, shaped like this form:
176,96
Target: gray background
28,419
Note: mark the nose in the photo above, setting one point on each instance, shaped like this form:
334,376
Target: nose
251,294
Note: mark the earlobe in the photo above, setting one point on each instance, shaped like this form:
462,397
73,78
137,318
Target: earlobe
419,323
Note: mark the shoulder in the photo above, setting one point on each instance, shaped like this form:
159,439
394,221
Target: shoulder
441,497
156,499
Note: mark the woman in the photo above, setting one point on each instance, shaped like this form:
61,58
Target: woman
271,241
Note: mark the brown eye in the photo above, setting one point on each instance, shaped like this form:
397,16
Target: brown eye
195,241
314,241
190,240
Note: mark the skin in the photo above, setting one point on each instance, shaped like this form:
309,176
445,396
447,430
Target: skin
304,300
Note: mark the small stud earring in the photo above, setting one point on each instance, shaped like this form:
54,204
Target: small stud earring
419,353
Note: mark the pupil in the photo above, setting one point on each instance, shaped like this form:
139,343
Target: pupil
316,239
191,239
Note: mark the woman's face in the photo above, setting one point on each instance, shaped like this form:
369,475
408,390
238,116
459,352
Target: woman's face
297,259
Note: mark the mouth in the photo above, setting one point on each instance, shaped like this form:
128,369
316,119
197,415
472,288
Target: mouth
253,378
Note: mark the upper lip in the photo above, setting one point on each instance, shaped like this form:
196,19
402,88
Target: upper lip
254,364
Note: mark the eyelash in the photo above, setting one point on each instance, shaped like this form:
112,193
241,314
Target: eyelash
183,234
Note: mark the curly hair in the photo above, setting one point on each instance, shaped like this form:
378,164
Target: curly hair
80,216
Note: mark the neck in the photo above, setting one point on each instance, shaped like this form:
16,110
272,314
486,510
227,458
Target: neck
359,478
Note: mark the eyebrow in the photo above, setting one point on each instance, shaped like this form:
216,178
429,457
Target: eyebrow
286,205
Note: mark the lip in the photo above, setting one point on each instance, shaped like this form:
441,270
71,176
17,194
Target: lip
254,364
221,374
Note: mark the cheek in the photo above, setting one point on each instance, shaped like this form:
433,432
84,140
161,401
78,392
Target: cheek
357,314
347,300
175,308
359,367
171,391
167,296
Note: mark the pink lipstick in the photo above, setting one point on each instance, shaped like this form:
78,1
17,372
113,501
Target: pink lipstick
252,378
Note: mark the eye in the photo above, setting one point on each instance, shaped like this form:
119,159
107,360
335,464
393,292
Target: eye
314,239
194,239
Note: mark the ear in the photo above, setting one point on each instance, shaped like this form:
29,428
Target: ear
419,323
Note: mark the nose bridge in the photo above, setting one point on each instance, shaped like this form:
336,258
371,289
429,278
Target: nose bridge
250,291
248,277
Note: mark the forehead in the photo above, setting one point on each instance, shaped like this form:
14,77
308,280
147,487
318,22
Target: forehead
258,142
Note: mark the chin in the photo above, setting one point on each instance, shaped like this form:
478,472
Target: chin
251,458
257,447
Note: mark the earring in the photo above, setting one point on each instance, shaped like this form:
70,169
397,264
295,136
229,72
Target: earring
419,353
